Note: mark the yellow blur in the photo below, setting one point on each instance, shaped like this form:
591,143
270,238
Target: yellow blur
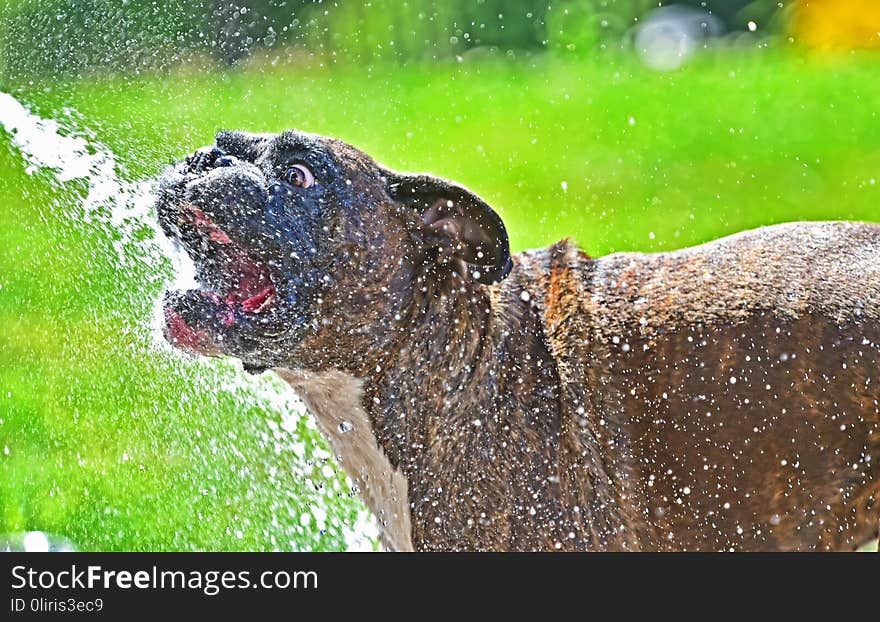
837,24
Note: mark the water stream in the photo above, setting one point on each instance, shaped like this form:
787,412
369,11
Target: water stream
175,452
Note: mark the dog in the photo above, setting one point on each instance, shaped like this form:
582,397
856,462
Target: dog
720,397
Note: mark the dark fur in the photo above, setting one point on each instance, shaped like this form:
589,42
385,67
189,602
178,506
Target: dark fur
597,412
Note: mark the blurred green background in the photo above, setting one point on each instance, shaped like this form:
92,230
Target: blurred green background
571,118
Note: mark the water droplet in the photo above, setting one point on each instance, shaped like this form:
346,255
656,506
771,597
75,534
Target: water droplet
36,542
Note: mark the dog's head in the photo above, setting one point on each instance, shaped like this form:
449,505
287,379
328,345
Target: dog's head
296,235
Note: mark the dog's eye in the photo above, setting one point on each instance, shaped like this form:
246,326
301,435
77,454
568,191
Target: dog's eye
299,175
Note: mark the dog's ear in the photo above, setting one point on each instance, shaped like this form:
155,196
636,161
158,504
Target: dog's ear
243,145
462,223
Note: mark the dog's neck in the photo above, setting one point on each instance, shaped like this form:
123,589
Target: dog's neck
452,426
465,405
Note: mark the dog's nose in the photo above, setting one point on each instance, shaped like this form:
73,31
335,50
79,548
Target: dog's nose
204,159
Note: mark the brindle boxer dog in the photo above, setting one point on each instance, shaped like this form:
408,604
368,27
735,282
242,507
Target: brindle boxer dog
719,397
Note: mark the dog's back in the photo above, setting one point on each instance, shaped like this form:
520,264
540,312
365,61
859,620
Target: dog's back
728,392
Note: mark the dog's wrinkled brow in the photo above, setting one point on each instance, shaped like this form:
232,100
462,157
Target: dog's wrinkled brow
296,145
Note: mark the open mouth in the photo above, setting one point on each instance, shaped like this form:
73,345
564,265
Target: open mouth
241,282
235,287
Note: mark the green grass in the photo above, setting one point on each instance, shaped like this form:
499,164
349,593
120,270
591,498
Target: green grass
118,446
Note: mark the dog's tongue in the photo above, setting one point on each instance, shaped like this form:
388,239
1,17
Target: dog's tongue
255,289
257,303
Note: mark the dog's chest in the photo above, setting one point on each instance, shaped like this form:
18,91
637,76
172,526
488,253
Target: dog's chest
334,398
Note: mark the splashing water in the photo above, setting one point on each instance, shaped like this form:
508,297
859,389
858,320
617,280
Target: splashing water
223,460
78,155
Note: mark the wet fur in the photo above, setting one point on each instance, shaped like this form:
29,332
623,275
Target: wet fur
783,457
575,420
714,398
336,401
